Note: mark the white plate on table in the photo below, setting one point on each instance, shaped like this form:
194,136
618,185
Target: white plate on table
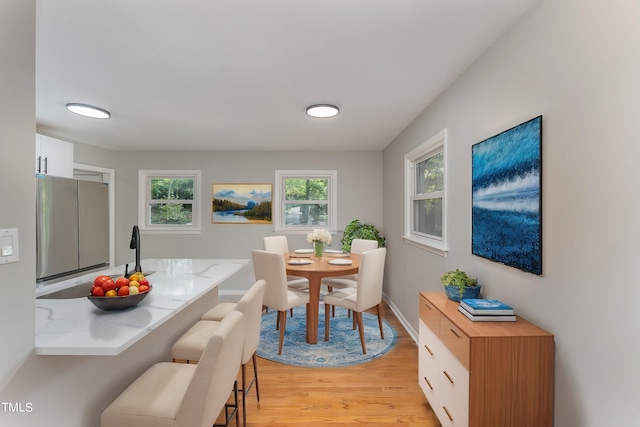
340,262
300,261
338,254
304,251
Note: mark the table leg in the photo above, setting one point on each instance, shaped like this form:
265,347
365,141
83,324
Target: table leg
312,309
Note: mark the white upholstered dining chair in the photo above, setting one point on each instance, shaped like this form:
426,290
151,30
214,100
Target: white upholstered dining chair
365,295
280,244
269,266
176,394
358,246
189,346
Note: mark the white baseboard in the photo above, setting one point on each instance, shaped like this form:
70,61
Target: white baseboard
401,318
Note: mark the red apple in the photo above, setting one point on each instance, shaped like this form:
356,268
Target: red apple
143,288
100,279
108,284
97,291
122,281
123,291
144,281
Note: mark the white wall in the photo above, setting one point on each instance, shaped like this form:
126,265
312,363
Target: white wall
359,196
17,192
577,63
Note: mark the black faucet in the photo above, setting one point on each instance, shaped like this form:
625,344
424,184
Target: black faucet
135,244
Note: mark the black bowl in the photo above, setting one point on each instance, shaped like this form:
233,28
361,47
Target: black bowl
118,303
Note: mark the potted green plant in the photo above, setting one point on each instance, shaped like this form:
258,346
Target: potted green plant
357,230
458,285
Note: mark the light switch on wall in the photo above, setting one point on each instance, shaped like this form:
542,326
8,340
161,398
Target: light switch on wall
8,245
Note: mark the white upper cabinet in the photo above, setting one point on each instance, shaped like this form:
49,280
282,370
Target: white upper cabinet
53,157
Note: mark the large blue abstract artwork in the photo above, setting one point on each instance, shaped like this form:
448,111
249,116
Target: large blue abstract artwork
506,197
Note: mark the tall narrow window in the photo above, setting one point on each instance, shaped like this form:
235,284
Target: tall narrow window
305,200
169,201
425,185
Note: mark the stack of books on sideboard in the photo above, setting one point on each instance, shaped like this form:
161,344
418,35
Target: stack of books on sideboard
486,310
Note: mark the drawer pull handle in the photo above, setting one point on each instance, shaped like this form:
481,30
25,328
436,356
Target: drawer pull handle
428,383
428,306
428,349
448,377
448,414
454,333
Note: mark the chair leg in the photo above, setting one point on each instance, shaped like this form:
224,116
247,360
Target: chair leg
333,307
283,326
327,317
255,374
244,395
246,387
358,316
233,407
380,321
236,408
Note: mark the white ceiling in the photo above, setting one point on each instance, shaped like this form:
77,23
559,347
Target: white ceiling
239,74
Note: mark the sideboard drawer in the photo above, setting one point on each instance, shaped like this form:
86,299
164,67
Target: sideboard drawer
428,366
453,414
430,315
454,380
456,341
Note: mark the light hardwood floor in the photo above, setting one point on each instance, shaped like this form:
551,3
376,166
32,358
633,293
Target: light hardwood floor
383,392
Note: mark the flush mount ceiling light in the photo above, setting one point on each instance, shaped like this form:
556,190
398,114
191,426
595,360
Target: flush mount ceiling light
322,110
88,111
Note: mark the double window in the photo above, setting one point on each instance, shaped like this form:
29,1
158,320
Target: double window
425,194
305,200
169,201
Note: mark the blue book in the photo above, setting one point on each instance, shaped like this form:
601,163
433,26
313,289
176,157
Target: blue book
487,317
485,306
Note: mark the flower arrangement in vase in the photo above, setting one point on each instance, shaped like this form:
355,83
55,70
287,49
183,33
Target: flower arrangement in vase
319,237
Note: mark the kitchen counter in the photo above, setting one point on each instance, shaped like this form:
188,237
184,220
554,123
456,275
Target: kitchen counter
77,327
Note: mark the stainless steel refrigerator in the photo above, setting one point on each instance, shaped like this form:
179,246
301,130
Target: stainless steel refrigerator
72,226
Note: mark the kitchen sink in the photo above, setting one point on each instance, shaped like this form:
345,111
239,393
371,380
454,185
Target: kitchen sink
81,290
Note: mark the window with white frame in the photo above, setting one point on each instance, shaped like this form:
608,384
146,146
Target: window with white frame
305,200
425,194
169,201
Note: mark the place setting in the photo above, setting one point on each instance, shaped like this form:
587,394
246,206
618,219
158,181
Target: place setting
336,253
340,261
301,253
299,261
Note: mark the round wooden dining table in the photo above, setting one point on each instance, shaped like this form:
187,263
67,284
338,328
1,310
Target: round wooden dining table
315,271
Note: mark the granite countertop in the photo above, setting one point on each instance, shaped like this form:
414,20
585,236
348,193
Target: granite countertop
77,327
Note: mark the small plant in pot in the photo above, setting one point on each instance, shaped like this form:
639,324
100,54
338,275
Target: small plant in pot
458,285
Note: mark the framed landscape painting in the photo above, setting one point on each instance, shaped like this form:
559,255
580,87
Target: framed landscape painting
506,197
241,204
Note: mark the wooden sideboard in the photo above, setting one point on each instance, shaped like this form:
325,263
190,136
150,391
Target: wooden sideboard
484,374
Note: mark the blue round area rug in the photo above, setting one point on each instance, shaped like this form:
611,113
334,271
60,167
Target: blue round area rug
342,349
